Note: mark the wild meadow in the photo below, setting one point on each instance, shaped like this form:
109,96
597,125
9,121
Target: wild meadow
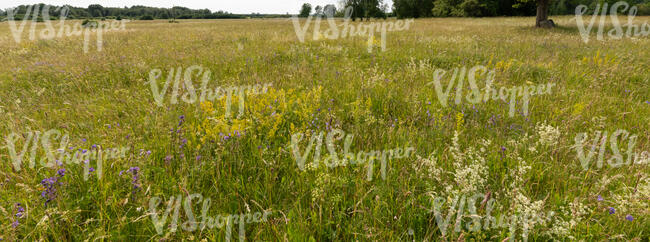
522,170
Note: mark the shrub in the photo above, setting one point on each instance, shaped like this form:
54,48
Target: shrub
643,9
89,23
146,17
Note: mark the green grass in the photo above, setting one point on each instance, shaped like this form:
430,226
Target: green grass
380,97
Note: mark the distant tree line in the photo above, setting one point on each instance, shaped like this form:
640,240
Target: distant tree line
361,9
134,12
463,8
487,8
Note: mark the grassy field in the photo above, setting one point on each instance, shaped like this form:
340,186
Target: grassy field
526,165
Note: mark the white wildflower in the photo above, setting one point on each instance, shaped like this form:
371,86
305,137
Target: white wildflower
548,135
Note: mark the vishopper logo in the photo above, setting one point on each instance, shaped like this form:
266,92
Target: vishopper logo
49,32
465,207
345,30
600,140
206,222
61,156
190,94
333,160
631,29
475,96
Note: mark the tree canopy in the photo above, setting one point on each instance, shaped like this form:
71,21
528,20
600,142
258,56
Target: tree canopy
305,10
487,8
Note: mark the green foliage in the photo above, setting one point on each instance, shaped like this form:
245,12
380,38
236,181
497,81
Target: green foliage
447,8
365,9
412,8
305,10
329,10
96,10
146,17
133,12
643,9
485,8
89,23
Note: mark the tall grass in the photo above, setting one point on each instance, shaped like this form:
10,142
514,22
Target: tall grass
379,97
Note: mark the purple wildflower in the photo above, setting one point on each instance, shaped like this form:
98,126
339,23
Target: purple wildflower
135,177
198,157
50,185
91,169
612,210
20,210
83,140
94,147
168,159
629,217
183,142
182,119
600,198
15,224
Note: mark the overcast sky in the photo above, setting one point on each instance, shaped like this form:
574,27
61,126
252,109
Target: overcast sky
233,6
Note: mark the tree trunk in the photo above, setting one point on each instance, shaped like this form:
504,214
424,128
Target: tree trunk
542,12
